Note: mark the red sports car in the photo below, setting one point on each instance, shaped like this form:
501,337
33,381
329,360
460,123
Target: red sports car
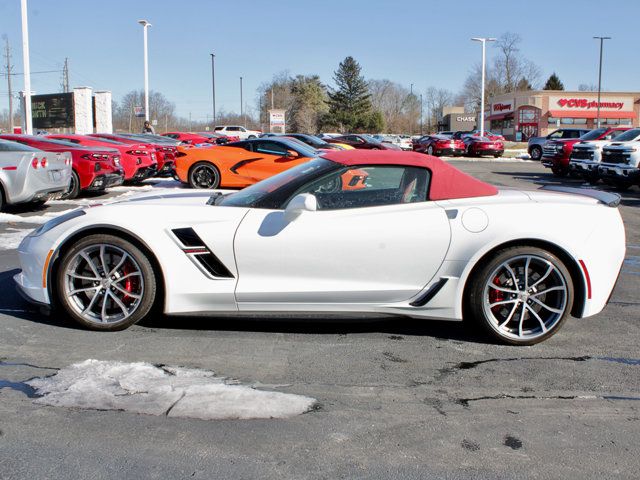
165,154
189,138
220,138
136,160
439,145
360,141
94,168
479,146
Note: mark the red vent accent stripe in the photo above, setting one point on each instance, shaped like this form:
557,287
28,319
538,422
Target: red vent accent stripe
588,278
194,250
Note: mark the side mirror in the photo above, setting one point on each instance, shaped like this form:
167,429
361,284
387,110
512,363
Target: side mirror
298,204
292,154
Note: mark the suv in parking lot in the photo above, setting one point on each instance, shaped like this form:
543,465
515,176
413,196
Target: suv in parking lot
535,143
237,131
586,155
556,153
620,164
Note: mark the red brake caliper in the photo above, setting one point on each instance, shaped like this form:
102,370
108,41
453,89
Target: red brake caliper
496,295
128,282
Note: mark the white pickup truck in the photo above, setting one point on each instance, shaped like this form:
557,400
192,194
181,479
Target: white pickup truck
237,131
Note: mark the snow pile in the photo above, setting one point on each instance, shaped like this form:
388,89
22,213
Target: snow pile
12,238
33,219
161,390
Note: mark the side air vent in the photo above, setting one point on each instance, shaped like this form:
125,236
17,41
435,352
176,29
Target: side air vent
188,237
213,265
197,251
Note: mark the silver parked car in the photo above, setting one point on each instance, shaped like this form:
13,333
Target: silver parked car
31,175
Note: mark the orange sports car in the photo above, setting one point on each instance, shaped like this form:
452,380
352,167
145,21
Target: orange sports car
239,164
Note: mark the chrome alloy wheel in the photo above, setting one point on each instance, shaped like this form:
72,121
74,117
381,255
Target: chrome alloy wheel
525,297
103,284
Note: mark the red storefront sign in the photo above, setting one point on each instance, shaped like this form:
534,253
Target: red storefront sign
500,107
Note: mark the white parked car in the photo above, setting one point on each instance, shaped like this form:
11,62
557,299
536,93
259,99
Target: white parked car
415,238
620,164
242,133
405,142
31,175
586,155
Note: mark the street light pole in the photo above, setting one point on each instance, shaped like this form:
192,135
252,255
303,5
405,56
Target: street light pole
421,125
484,41
241,105
145,25
602,39
28,121
213,86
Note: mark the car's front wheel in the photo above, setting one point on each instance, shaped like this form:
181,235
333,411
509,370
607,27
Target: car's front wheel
536,153
105,283
521,295
204,175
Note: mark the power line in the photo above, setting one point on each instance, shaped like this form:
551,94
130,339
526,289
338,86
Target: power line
20,73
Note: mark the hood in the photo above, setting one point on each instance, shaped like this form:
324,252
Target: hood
169,197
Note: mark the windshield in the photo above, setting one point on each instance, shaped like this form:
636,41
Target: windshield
628,135
255,194
593,134
311,140
7,146
371,139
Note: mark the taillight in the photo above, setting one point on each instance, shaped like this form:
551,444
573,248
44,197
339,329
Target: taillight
153,156
137,152
44,163
116,161
35,163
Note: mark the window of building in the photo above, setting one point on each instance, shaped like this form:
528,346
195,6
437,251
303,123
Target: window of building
573,121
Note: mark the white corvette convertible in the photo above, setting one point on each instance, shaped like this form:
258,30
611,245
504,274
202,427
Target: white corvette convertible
348,232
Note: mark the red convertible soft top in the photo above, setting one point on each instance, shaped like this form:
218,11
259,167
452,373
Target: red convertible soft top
447,182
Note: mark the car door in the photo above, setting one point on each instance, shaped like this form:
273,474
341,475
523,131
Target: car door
267,158
380,243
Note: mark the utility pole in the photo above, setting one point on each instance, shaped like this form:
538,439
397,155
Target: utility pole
602,39
26,65
421,125
213,87
65,76
7,55
241,105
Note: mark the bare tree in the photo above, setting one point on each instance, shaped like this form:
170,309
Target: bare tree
435,100
399,107
584,87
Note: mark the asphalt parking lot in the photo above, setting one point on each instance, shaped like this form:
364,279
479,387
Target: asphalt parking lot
396,398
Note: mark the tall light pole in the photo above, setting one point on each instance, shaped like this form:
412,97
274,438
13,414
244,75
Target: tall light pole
145,25
241,105
602,39
420,114
213,86
28,122
484,41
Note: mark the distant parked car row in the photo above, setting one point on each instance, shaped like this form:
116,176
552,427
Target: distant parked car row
95,162
470,145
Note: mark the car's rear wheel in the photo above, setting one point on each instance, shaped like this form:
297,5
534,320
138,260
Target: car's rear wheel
536,153
105,283
204,175
74,187
559,171
521,296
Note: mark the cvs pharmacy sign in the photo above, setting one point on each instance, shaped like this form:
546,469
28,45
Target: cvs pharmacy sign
586,104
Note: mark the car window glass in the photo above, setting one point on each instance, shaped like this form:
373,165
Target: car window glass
10,146
369,186
270,148
556,134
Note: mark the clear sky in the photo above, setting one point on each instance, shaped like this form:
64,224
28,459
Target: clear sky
421,42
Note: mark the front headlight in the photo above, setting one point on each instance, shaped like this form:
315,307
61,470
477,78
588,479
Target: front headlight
54,222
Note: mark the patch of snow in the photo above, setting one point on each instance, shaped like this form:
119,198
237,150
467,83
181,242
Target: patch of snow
33,219
161,390
11,239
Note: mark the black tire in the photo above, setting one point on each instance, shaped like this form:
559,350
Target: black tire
621,186
202,168
536,153
2,201
481,312
74,187
560,171
498,155
148,295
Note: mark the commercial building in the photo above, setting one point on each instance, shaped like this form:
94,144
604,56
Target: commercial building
521,115
454,119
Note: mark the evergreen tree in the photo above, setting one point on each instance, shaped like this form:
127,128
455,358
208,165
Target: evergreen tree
523,85
553,83
350,103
